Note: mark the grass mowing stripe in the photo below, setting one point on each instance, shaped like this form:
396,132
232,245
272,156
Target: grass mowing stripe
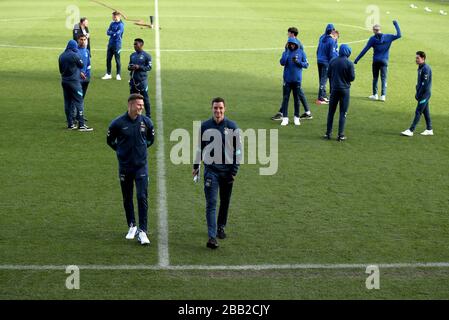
164,258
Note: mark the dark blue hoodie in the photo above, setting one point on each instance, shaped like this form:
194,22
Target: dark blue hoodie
381,44
294,61
70,63
424,83
341,70
327,46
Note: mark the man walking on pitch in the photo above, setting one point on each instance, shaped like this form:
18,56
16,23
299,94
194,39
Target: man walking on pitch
292,32
341,74
115,33
294,60
70,65
381,44
130,135
139,65
220,149
423,93
325,52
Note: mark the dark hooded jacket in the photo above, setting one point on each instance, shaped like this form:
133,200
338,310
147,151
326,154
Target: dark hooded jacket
327,46
341,70
70,63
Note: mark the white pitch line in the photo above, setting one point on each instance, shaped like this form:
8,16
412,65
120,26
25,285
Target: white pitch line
254,267
164,258
176,50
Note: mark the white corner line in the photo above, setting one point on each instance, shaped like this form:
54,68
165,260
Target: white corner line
164,258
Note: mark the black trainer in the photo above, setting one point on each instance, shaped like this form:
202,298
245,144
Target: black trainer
327,136
306,116
212,243
341,138
220,233
277,117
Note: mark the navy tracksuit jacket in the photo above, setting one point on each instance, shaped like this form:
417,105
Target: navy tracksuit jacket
139,78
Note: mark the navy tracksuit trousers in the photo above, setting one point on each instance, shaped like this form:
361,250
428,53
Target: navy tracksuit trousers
338,96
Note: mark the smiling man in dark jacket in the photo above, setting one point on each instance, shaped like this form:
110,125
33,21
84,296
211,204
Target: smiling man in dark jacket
294,60
139,64
423,93
341,74
130,135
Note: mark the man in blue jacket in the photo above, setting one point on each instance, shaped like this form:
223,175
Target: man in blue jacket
84,53
423,93
139,64
220,149
381,44
294,60
292,32
341,74
130,135
325,52
115,33
70,65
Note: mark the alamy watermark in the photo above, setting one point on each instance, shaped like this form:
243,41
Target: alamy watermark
248,146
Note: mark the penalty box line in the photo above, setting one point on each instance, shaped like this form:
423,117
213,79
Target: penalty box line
12,267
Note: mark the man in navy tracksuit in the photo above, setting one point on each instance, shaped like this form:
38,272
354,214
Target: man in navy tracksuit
294,60
325,52
115,33
70,65
341,74
381,44
139,65
221,152
423,93
292,32
130,135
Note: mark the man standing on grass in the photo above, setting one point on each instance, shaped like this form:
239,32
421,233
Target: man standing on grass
423,93
139,65
70,65
115,33
381,44
294,60
221,151
130,135
82,29
292,32
341,74
85,70
325,52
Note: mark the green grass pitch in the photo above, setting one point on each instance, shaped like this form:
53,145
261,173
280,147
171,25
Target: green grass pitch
377,198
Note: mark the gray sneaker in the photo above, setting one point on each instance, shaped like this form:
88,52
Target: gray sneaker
277,117
85,129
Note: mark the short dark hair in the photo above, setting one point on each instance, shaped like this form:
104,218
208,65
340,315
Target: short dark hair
81,36
293,30
139,40
135,96
217,100
83,19
116,13
422,54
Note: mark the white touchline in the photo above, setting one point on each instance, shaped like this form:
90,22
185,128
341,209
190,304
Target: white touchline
253,267
164,258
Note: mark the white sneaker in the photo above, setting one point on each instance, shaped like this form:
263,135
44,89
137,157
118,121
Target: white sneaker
296,121
383,98
118,77
284,121
407,133
427,133
142,237
106,77
131,233
374,97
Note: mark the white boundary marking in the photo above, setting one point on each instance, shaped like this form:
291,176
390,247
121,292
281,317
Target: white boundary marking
255,267
174,50
164,258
